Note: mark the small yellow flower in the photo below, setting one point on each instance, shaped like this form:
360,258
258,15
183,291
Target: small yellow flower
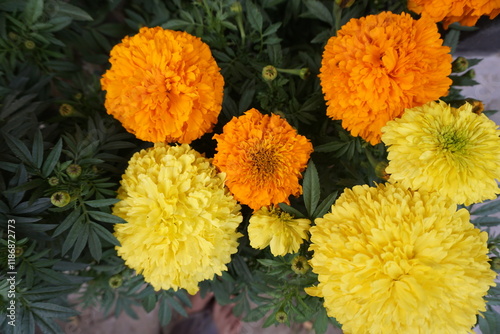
277,229
439,148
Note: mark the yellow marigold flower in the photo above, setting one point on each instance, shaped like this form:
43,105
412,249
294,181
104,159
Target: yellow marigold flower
263,157
181,220
466,12
277,229
380,64
163,85
391,260
439,148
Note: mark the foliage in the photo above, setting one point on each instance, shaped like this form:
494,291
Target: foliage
52,117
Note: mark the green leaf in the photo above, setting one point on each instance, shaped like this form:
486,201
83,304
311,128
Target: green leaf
329,147
319,11
104,234
485,209
19,149
287,208
76,230
451,39
52,159
98,203
81,241
50,310
327,203
321,321
73,12
33,11
311,188
37,149
67,222
165,313
95,245
254,16
106,217
149,302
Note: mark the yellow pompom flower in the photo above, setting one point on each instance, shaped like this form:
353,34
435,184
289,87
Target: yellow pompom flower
181,220
163,85
277,229
263,157
393,260
466,12
379,65
439,148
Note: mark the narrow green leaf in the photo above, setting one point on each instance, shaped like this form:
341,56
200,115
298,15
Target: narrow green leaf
329,147
104,217
76,230
321,321
165,313
37,150
32,11
81,242
98,203
176,305
451,39
104,234
53,311
311,188
67,222
73,12
19,149
320,11
485,209
287,208
325,205
254,16
27,186
149,302
95,245
52,159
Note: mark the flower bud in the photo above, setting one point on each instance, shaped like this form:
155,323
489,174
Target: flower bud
495,263
13,36
344,3
74,171
269,73
30,45
115,281
19,251
53,181
78,96
60,198
300,265
304,73
471,74
66,110
380,170
281,316
236,7
459,65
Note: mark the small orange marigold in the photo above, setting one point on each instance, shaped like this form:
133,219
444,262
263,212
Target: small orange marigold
263,157
163,86
379,65
467,12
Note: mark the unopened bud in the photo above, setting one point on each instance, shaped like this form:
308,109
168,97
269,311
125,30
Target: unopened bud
269,73
66,110
236,7
380,170
300,265
344,3
30,45
495,263
60,198
477,106
53,181
281,316
13,36
74,171
78,96
115,281
19,251
471,74
459,65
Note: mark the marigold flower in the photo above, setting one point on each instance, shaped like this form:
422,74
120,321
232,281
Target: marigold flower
391,260
380,64
277,229
262,157
163,85
466,12
439,148
181,220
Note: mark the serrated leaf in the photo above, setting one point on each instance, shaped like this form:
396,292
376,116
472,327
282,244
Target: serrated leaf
272,29
102,202
325,205
319,11
321,321
95,245
52,159
81,242
149,302
52,310
105,234
67,222
76,230
19,149
287,208
106,217
254,16
311,188
32,11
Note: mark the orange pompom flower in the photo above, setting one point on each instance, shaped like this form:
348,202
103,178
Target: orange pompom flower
163,86
466,12
379,65
263,157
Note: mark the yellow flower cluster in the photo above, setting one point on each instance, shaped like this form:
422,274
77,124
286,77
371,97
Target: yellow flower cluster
391,260
181,220
439,148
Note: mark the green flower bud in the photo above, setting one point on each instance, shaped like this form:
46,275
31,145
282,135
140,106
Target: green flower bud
30,45
281,317
459,65
19,251
300,266
269,73
66,110
495,263
78,96
13,36
236,7
53,181
115,281
74,171
60,198
344,3
469,74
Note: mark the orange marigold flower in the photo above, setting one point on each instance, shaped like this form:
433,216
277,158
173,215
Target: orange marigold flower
163,85
379,65
467,12
263,157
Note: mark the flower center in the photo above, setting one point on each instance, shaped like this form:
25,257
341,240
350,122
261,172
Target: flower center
453,141
264,161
